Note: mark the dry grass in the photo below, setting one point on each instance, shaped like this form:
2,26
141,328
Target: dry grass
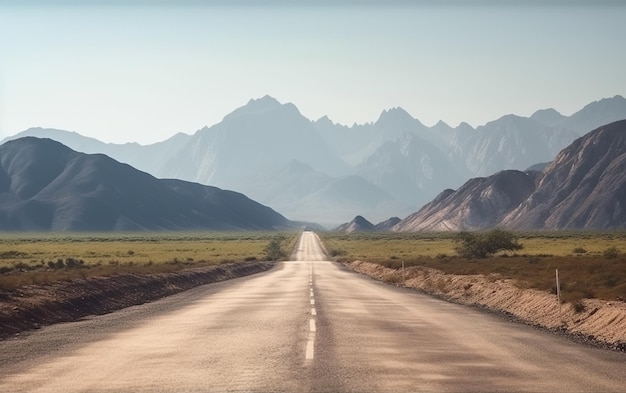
592,274
34,258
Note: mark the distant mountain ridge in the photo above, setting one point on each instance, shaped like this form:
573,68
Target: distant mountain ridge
46,186
361,224
358,224
402,163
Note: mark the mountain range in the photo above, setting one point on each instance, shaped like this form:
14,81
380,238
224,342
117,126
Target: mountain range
584,187
44,186
325,172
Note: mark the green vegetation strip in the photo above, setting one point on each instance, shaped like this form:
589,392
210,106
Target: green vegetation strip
45,258
590,264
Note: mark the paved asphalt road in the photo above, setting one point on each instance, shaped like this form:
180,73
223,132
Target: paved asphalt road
307,325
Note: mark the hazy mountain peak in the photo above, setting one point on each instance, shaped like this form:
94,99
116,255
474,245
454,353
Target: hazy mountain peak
614,104
257,106
506,122
264,102
441,124
464,127
325,120
394,116
615,100
548,117
595,114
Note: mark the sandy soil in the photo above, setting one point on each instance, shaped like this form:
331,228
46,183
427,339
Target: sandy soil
34,306
600,322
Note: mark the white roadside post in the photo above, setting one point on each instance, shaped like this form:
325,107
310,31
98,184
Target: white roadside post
558,294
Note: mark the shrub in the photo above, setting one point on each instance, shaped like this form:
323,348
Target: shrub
274,250
72,263
610,253
482,245
578,306
334,252
579,250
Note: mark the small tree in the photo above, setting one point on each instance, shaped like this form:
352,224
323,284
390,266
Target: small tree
274,250
473,245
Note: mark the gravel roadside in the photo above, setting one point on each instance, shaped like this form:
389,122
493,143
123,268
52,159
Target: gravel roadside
598,322
34,306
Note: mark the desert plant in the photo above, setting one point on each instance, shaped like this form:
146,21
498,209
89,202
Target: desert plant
610,253
473,245
578,306
274,250
334,252
72,263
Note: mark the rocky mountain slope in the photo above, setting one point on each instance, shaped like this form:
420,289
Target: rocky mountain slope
583,188
47,186
480,203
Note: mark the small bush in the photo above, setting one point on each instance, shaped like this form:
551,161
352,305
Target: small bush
274,250
578,306
482,245
579,250
610,253
334,252
72,263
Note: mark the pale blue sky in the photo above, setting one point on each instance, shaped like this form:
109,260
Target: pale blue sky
144,72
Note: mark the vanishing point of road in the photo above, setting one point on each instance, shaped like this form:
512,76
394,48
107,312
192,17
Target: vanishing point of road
305,326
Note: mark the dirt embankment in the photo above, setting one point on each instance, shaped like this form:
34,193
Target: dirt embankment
34,306
596,321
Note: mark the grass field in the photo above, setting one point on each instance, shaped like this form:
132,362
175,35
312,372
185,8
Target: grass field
44,258
591,264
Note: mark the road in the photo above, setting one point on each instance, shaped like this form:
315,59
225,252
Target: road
307,325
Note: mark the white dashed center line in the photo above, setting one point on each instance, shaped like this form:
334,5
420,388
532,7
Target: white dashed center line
310,344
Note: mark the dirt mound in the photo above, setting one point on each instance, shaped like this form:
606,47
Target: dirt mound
592,319
34,306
